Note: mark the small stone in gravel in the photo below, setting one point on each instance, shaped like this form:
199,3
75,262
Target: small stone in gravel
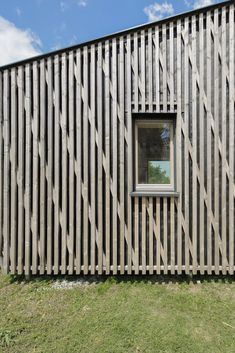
70,284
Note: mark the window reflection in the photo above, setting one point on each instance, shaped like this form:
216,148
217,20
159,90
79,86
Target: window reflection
154,165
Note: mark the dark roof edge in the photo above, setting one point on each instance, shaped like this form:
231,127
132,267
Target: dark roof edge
120,33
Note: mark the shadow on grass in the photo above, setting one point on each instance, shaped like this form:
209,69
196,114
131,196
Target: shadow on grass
131,279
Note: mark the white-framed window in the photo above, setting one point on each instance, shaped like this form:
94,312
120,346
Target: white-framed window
154,155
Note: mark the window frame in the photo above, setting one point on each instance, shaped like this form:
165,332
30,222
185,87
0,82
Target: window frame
155,187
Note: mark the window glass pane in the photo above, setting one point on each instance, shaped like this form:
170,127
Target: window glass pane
154,165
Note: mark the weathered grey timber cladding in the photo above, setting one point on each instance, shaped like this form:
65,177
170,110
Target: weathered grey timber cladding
66,152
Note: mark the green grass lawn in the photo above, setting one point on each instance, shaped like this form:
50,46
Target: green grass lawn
118,315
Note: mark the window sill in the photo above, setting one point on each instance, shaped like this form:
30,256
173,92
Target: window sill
140,193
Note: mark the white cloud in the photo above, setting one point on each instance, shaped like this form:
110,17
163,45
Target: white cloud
202,3
16,44
156,11
66,5
82,3
197,4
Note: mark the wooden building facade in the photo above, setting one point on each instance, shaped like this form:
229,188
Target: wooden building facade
69,200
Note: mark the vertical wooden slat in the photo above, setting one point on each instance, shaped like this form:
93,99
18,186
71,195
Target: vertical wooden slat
216,141
194,143
115,149
164,67
93,162
35,127
122,156
57,162
172,222
100,161
143,238
224,144
165,234
20,170
6,173
150,70
1,168
186,141
157,69
158,235
136,235
13,172
64,160
143,68
231,140
201,135
49,166
107,154
71,163
171,54
85,159
150,244
79,162
136,72
178,142
130,155
27,169
209,149
42,167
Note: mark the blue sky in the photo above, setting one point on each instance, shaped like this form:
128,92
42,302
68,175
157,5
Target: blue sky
31,27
